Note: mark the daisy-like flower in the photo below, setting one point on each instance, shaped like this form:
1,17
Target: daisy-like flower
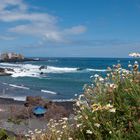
101,79
129,65
78,103
89,132
113,86
113,110
36,130
97,125
64,126
39,132
96,75
109,106
65,119
78,125
57,131
27,135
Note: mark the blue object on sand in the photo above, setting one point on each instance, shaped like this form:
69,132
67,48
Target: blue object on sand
39,110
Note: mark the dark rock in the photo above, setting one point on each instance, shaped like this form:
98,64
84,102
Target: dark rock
9,69
34,100
3,73
2,70
42,67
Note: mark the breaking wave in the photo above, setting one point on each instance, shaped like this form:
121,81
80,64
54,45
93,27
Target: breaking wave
50,92
17,86
29,70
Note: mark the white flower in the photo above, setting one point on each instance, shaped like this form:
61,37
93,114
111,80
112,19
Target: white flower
96,75
65,119
80,96
136,62
78,125
70,138
129,65
112,110
30,131
58,131
113,86
78,103
108,74
97,125
109,106
89,132
27,135
38,132
64,126
91,76
75,94
101,79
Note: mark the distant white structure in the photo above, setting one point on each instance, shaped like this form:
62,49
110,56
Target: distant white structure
11,56
134,54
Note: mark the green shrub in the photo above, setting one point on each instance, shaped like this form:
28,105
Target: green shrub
3,135
109,109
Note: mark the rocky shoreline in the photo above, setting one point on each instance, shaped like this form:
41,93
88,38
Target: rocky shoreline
17,116
18,60
7,71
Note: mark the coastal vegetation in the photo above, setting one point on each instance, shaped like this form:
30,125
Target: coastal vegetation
109,109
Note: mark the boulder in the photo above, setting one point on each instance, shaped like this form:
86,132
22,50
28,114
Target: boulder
2,70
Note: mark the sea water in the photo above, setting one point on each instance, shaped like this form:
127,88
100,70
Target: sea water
58,79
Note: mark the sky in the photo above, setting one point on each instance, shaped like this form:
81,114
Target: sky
70,28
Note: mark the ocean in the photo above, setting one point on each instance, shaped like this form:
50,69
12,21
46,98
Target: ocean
57,79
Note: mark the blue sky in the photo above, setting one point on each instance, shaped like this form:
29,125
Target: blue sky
70,28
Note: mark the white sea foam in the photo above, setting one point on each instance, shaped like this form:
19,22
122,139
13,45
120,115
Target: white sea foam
63,100
19,98
17,86
29,70
10,65
13,97
97,70
51,69
47,91
5,83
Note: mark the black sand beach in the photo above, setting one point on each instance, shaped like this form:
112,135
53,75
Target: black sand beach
22,123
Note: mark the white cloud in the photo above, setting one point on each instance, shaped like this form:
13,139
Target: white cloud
5,3
75,30
38,24
7,37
